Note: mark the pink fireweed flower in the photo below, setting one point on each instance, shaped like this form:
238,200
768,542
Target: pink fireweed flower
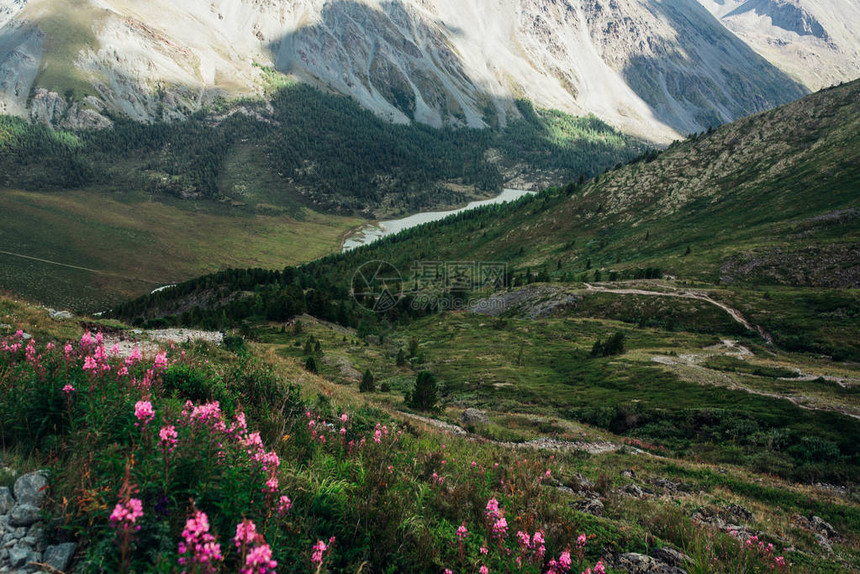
100,354
462,532
69,389
284,505
99,338
68,350
447,571
125,515
114,350
500,528
581,540
240,424
483,570
271,485
122,372
160,361
493,512
484,550
344,418
90,364
319,550
198,546
168,437
259,561
246,533
134,358
564,561
524,539
144,413
599,568
86,340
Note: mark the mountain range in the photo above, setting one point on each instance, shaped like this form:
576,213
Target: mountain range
650,68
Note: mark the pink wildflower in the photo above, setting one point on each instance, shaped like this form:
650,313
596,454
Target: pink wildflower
125,515
90,364
246,533
69,389
144,413
259,561
483,570
160,361
168,437
564,561
134,358
500,528
284,505
493,509
199,545
462,532
319,550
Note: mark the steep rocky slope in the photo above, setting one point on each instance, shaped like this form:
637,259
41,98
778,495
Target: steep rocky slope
654,69
817,42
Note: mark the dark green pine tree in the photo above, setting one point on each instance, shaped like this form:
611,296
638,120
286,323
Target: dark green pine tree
424,394
367,384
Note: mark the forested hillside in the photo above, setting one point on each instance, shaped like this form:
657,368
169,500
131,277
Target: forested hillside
312,148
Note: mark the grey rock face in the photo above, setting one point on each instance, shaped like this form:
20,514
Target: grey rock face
641,564
591,506
6,500
23,515
30,488
18,557
60,555
474,416
672,557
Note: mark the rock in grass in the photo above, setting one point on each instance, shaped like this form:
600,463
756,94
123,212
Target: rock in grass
6,500
740,512
23,515
640,564
822,527
30,488
60,555
672,557
591,506
474,416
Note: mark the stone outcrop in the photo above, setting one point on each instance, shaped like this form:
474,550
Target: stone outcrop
23,547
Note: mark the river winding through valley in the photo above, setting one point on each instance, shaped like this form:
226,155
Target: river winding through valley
370,233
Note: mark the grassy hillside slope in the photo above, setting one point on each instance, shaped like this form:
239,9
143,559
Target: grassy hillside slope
389,491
